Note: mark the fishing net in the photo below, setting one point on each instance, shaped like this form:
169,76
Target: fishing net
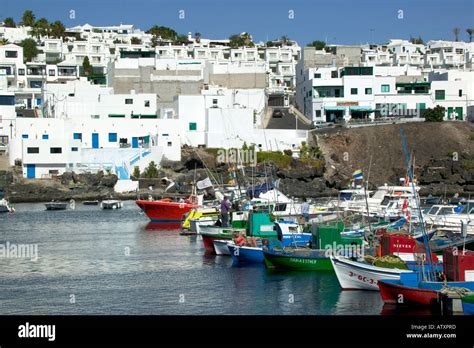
387,261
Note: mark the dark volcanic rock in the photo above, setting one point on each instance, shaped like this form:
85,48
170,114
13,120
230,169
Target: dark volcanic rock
305,172
108,180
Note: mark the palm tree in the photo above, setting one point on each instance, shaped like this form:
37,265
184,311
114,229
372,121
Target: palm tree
28,18
9,22
469,32
42,27
57,29
456,32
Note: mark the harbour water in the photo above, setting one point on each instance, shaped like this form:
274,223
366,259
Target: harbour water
92,261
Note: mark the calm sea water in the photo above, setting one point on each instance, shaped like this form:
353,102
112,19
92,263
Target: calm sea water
92,261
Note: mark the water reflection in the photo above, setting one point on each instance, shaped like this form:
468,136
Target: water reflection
163,226
358,302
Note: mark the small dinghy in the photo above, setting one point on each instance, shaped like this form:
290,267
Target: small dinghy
91,202
53,205
111,204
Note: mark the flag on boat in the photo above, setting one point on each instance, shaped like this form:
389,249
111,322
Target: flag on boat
357,174
201,185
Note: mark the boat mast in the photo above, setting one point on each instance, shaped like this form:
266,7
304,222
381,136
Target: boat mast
418,209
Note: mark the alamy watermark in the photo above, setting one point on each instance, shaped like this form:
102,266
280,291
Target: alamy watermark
237,156
393,109
348,250
18,251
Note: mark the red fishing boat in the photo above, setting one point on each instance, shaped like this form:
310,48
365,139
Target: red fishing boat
165,210
393,292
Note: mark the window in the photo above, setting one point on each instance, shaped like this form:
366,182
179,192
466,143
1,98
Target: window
21,72
128,101
24,136
11,54
55,150
192,126
74,149
334,74
353,90
7,100
170,143
421,106
368,91
51,72
77,136
317,76
439,94
33,150
147,103
36,84
112,137
385,89
214,102
45,137
460,92
318,113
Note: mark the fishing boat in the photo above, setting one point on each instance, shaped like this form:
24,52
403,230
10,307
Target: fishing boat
298,259
111,204
220,246
5,206
245,254
291,233
53,205
468,303
200,216
357,275
166,210
326,240
417,288
96,202
451,217
209,238
239,221
258,225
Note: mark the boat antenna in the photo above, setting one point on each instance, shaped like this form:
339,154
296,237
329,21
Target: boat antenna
366,194
418,209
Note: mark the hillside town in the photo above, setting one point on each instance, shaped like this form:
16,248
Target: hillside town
94,98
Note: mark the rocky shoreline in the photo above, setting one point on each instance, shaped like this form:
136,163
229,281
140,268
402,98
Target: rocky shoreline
444,167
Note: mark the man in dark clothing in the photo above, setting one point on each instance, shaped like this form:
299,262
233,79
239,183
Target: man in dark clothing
225,208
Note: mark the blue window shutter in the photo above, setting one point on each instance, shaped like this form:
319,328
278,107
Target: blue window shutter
45,136
24,136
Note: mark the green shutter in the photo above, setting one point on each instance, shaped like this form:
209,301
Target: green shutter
192,126
439,94
459,113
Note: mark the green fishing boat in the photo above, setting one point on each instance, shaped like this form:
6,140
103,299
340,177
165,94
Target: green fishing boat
326,240
298,259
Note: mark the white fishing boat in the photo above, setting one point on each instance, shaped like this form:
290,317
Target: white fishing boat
220,247
111,204
451,217
357,275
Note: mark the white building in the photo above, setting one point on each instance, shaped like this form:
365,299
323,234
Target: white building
88,128
228,118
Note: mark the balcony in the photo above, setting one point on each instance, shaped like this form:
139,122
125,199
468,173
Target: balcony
65,72
36,71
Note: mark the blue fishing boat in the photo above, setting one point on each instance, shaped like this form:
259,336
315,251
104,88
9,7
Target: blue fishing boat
245,254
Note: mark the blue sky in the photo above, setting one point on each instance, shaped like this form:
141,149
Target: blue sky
336,21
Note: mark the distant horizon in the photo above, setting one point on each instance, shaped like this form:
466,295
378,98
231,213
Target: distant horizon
337,23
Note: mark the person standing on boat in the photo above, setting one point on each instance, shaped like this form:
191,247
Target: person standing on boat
225,208
305,210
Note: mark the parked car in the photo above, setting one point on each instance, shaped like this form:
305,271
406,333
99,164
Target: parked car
321,124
